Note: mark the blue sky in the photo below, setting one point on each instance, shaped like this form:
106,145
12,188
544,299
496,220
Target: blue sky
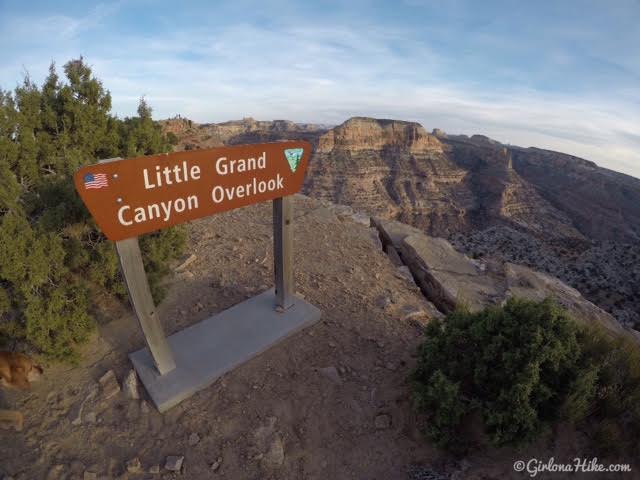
558,74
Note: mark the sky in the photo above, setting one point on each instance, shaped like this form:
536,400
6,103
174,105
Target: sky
563,75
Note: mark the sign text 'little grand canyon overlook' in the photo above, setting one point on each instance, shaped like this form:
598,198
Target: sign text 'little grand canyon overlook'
128,198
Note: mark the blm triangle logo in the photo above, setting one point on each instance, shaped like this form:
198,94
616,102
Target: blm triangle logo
294,155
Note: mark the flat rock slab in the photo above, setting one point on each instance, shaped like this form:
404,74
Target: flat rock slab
205,351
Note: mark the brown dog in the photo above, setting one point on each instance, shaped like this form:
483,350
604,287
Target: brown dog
18,370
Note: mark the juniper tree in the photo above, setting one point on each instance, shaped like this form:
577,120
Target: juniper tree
52,257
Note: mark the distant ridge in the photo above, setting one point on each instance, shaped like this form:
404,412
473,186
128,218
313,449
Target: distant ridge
555,212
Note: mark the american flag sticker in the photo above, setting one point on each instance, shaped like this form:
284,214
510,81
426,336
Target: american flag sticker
95,180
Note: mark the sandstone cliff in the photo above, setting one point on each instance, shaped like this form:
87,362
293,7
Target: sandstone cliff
543,209
443,185
391,168
601,203
192,135
502,195
365,134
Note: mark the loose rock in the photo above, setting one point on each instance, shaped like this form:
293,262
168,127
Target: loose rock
382,421
331,373
186,275
275,456
174,463
76,413
383,302
216,465
194,438
55,472
130,385
134,466
186,262
403,272
109,384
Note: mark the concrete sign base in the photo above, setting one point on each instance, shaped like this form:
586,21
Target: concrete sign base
205,351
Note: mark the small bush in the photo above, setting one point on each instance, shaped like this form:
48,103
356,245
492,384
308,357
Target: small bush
523,367
510,362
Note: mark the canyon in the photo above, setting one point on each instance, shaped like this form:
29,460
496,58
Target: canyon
553,212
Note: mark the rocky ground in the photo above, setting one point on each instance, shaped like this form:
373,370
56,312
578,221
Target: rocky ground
332,401
607,273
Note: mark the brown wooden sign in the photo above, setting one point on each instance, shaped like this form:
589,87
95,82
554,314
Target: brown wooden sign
128,198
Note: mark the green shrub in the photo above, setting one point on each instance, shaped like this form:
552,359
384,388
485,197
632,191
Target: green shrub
523,367
509,362
172,139
442,394
53,259
160,248
614,413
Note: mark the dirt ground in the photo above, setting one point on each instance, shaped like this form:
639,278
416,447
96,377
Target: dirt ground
331,402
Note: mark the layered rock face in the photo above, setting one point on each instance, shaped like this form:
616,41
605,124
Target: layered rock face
543,209
192,135
601,203
446,183
457,187
442,184
393,169
365,134
502,195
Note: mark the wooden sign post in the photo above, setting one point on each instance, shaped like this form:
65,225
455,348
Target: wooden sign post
283,251
128,198
142,302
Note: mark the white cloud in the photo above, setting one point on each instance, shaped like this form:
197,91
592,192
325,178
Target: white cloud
314,72
55,27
